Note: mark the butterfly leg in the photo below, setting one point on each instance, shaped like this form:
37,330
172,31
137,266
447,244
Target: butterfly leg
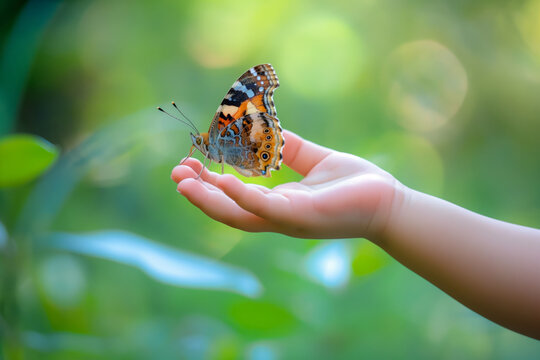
188,155
222,165
204,165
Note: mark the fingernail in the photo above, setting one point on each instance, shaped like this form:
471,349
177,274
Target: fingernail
178,191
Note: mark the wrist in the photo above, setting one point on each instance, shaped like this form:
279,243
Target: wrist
390,212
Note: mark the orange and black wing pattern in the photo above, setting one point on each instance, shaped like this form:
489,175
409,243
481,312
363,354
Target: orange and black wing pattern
251,93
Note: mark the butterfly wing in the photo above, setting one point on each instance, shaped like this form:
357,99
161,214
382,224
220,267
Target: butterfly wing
251,93
252,144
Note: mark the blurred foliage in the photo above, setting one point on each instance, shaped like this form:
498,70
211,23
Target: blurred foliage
444,95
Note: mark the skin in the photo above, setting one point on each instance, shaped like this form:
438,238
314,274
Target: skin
490,266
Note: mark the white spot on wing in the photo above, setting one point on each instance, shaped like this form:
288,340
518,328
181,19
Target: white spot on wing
251,108
228,109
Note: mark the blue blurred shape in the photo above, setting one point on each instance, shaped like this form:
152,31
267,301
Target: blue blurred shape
60,341
261,351
3,236
160,262
329,264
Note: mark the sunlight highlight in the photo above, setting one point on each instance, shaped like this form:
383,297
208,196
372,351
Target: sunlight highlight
329,264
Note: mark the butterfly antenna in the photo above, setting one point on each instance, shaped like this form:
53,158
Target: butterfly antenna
185,117
182,121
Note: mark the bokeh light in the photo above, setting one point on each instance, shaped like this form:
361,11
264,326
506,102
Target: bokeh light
426,85
63,280
321,56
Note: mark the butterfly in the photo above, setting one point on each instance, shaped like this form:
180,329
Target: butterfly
245,132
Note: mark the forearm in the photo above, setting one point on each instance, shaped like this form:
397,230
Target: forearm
490,266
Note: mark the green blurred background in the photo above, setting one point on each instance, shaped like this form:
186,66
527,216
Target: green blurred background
101,258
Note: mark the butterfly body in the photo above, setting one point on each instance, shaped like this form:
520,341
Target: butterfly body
245,132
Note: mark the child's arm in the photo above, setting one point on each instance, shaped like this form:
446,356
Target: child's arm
490,266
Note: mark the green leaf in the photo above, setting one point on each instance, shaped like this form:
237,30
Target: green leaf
23,158
261,317
369,258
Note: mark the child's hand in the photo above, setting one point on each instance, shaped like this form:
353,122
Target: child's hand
341,195
489,265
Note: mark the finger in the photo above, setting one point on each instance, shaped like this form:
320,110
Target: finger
302,155
220,207
191,168
261,188
181,172
269,206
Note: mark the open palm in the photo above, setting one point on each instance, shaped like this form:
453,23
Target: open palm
341,195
